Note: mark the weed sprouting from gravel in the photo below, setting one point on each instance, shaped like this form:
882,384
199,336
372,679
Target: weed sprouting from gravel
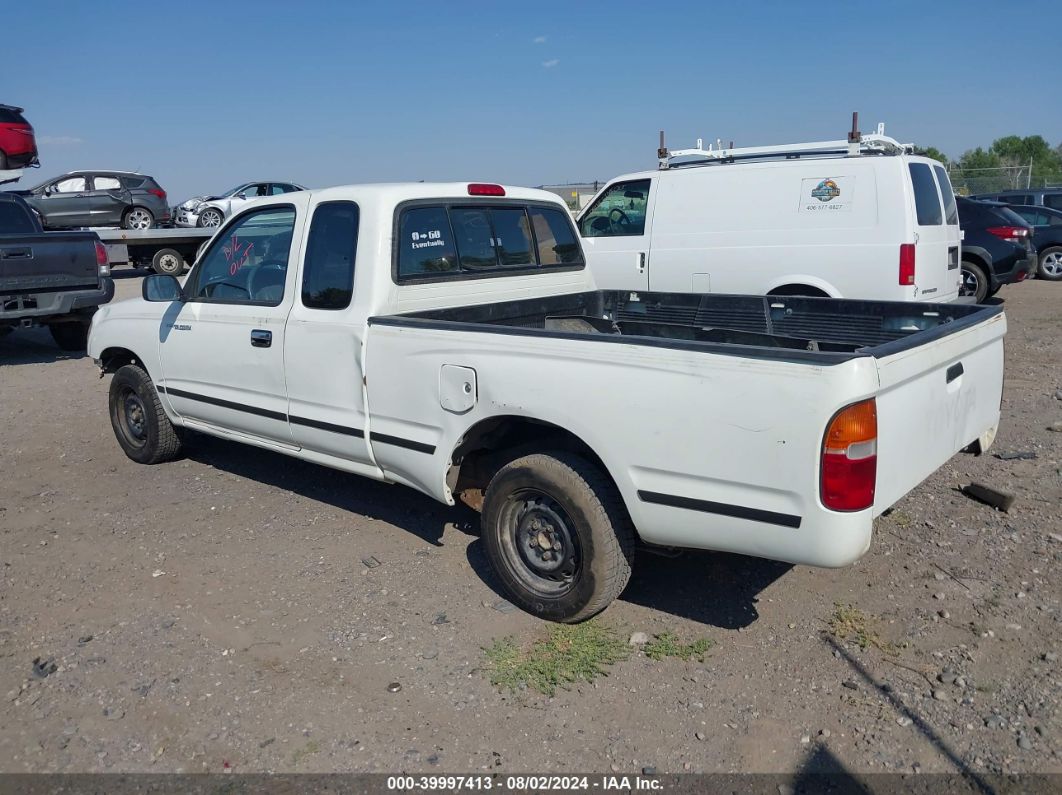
667,645
851,623
569,654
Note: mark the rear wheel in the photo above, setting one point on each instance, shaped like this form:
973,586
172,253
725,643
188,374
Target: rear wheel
1050,266
138,218
168,262
974,282
558,536
140,424
70,336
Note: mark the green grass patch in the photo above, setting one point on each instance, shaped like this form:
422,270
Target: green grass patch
569,654
851,623
667,644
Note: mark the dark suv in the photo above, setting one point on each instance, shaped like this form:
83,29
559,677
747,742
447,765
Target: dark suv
99,198
1044,197
1047,238
996,248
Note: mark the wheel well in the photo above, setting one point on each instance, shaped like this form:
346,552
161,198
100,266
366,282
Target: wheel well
799,289
113,358
491,444
976,260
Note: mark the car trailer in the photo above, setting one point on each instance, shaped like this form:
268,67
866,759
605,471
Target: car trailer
167,251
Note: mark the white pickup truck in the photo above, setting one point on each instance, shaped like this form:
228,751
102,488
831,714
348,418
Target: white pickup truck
449,338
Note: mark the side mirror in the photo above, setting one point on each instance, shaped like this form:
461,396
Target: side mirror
240,195
163,288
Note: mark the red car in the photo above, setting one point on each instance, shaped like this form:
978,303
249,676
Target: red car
18,146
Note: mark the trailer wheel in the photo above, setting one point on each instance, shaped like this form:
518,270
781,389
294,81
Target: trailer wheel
168,262
558,536
140,424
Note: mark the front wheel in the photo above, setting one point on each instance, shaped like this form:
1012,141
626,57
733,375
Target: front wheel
1050,266
138,218
974,282
210,218
140,424
558,536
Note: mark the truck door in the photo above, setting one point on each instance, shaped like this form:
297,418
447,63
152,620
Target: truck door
324,341
615,230
222,350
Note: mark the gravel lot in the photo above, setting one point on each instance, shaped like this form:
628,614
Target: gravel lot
215,613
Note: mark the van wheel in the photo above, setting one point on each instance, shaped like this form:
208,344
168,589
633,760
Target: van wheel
1050,266
558,536
974,282
140,424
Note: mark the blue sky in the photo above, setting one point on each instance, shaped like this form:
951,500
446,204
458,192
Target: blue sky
208,94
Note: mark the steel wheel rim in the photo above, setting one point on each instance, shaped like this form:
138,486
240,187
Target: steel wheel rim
540,544
1052,264
133,416
139,219
168,263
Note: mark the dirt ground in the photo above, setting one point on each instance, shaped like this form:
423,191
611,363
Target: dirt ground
215,613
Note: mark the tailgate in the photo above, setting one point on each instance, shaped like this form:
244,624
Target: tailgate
934,400
47,262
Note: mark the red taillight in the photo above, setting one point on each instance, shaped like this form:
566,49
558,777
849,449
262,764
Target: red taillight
485,189
907,264
102,260
158,192
1014,234
850,458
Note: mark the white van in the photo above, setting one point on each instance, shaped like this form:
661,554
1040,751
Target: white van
863,219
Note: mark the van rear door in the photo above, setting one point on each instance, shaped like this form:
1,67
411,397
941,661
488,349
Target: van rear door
936,266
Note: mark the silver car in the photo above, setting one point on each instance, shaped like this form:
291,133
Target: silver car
211,211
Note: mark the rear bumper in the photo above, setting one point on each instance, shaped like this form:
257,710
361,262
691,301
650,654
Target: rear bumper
38,308
23,159
1016,270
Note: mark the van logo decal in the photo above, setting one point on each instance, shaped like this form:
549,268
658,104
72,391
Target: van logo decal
826,190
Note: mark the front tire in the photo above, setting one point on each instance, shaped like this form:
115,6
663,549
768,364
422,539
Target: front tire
974,282
138,218
140,424
1050,266
210,218
558,536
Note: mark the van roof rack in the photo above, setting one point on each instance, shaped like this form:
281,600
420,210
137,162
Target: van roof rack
854,145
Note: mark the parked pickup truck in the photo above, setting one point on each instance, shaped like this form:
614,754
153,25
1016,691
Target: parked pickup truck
449,338
53,279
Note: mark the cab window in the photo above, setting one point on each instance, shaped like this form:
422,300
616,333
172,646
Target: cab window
328,273
554,237
618,212
247,262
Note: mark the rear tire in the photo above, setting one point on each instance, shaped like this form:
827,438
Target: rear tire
140,424
70,336
558,536
1050,265
138,218
168,262
974,282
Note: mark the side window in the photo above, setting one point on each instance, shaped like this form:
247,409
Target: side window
1020,198
1054,220
927,202
69,185
557,244
328,274
425,243
248,261
282,187
1053,200
946,193
106,183
619,212
132,182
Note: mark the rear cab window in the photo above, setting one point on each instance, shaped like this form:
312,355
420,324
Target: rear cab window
927,200
460,241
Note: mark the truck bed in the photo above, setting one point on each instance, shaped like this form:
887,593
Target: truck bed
821,330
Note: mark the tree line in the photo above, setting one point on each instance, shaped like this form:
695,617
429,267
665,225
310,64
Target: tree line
1010,153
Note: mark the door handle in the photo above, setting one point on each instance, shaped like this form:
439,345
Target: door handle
641,262
954,372
261,338
16,253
